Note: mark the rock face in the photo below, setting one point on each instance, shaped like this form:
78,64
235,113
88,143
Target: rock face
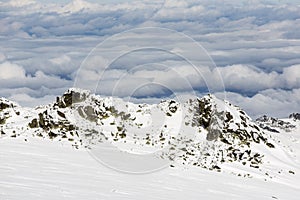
70,97
3,106
228,123
295,116
6,107
231,132
209,131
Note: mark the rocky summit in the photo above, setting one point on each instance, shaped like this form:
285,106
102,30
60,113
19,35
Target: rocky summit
203,132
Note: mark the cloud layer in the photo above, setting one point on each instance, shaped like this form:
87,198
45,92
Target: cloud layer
254,44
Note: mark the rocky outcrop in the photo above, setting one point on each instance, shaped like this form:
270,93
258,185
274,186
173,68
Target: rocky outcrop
7,108
273,124
225,125
70,97
84,120
295,116
4,106
232,132
46,122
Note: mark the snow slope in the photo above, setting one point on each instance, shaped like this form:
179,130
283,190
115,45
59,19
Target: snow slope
41,169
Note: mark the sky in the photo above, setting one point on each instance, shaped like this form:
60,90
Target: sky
245,51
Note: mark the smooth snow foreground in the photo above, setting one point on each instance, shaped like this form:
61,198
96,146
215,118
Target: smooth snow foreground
35,168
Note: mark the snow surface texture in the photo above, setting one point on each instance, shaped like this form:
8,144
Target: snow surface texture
87,147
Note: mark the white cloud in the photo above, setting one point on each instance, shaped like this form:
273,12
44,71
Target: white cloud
277,103
256,46
61,60
2,57
291,75
77,5
11,71
247,79
21,3
28,101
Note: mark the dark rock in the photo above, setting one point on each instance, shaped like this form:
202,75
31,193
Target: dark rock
69,98
2,120
204,110
270,145
125,116
3,106
254,166
228,117
71,127
225,141
34,123
61,114
269,123
52,135
295,116
172,106
216,167
123,134
42,121
263,118
291,172
269,129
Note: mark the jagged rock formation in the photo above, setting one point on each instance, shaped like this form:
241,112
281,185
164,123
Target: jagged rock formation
273,124
295,116
203,132
4,113
230,131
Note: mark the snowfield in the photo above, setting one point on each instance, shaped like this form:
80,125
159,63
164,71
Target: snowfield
41,169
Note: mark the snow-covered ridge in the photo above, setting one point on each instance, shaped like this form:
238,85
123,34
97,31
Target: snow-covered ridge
274,124
205,132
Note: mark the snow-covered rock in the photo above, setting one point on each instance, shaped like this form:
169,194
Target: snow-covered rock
205,132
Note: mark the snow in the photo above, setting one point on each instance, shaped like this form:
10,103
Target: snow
43,169
34,167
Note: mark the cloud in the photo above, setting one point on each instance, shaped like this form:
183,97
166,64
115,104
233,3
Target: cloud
243,79
77,5
247,79
78,17
28,90
255,46
26,100
33,82
2,57
64,59
20,3
277,103
291,76
11,71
